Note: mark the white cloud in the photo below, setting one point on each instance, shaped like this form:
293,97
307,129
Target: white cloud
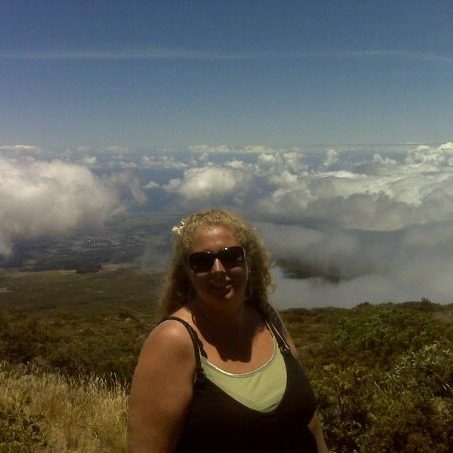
19,148
431,156
331,158
210,149
41,198
118,149
151,185
258,149
346,268
421,57
127,181
314,292
145,53
224,149
208,183
285,180
379,194
89,160
238,165
162,162
266,159
218,55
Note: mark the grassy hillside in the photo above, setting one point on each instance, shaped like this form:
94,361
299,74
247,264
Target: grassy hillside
69,343
41,411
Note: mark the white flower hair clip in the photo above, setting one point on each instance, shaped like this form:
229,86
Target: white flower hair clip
176,230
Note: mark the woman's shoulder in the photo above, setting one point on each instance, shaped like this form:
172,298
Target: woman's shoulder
169,337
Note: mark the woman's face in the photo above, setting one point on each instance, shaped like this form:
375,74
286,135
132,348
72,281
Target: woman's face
224,281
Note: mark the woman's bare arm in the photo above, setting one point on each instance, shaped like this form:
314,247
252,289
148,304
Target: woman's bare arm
161,390
316,429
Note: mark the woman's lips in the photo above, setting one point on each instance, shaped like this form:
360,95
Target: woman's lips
223,288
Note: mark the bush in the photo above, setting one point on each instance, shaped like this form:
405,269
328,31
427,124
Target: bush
106,346
377,338
19,432
407,408
413,404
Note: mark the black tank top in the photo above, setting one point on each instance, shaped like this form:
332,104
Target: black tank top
216,422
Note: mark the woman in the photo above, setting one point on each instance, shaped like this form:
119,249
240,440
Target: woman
219,373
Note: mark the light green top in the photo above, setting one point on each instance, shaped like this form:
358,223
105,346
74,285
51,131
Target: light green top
261,389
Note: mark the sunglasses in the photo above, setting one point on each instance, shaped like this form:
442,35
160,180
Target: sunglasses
229,257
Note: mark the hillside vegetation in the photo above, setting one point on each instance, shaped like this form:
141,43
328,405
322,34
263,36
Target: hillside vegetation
41,411
69,343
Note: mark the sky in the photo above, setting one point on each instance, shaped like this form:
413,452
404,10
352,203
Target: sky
328,125
178,73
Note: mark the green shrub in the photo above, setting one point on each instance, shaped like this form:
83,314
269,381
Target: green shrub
412,408
407,408
377,338
19,432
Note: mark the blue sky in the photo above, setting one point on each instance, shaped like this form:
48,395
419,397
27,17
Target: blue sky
147,75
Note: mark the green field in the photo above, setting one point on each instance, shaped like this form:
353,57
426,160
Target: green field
383,373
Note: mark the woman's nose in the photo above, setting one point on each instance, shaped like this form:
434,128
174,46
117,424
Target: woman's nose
218,266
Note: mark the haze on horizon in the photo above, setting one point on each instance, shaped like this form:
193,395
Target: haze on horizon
328,124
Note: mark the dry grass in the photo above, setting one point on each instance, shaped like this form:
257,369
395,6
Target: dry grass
71,415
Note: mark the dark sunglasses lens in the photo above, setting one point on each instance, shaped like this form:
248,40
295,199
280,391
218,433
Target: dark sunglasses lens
229,257
201,261
232,256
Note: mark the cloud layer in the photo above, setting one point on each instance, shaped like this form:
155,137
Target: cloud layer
39,197
345,224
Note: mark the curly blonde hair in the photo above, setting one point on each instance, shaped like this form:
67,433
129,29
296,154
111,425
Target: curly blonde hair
178,288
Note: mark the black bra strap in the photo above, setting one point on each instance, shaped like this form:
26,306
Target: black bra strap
197,345
282,344
274,322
